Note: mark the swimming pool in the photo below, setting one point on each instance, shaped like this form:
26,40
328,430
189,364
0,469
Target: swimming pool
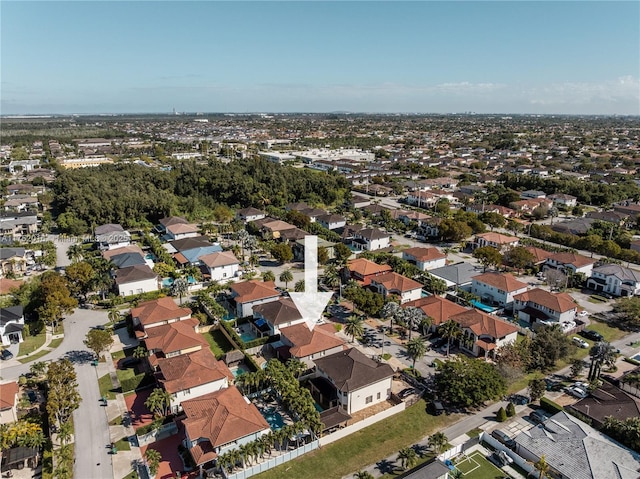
238,370
248,336
483,307
273,417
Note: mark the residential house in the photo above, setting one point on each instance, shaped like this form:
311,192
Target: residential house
540,255
194,255
499,241
9,402
435,469
393,283
608,216
575,450
366,239
158,312
457,275
126,260
429,228
191,375
13,260
307,345
562,199
527,206
298,248
532,194
111,236
132,248
497,288
23,165
222,265
174,339
570,263
615,279
11,325
607,401
218,422
483,333
21,203
176,228
362,270
14,224
331,221
540,305
7,286
136,280
250,214
479,208
439,309
248,294
351,380
409,217
425,258
578,226
278,314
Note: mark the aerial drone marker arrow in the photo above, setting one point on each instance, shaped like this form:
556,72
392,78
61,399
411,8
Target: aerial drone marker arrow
311,303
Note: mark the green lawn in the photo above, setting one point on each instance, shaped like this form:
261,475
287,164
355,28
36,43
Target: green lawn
478,467
31,343
131,475
364,447
106,388
34,356
55,343
218,343
123,445
124,374
118,355
609,333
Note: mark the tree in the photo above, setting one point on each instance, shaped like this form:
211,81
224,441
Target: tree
391,311
628,311
494,220
286,276
63,397
408,457
416,349
511,410
179,288
626,431
450,330
153,458
282,252
55,298
75,252
577,366
98,340
342,252
113,315
451,229
469,382
411,316
519,257
488,256
556,279
354,327
363,475
601,354
437,442
299,286
542,467
537,388
501,415
547,347
80,277
140,352
158,402
268,276
323,255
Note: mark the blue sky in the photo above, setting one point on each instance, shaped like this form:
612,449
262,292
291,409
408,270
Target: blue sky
576,57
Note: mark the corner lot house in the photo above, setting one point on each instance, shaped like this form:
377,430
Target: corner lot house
357,381
11,325
497,288
615,279
394,283
219,422
483,333
570,263
425,258
541,305
135,280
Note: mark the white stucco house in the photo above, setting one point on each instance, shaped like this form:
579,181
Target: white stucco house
136,280
11,325
425,258
570,263
331,222
497,288
393,283
248,294
615,279
540,305
222,265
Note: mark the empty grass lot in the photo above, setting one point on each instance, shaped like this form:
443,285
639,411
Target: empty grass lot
476,466
364,447
218,343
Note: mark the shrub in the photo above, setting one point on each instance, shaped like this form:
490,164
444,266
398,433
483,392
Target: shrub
437,363
338,327
386,356
501,415
131,384
412,372
632,361
511,410
550,406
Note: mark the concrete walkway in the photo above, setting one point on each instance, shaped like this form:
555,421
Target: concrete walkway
45,346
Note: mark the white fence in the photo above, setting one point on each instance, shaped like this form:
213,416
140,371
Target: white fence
275,461
157,434
453,452
498,446
340,433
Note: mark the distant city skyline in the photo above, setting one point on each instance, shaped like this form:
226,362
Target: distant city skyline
515,57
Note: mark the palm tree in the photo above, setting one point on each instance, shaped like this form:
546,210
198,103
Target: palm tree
64,432
450,330
153,458
286,276
437,442
114,315
268,276
331,277
158,402
254,260
140,352
75,252
425,324
416,349
408,457
296,367
412,316
390,311
542,466
179,288
363,475
299,286
602,354
354,327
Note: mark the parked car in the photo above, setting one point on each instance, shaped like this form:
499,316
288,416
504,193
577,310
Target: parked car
581,343
537,417
591,334
436,408
31,394
519,399
405,393
577,392
503,437
6,354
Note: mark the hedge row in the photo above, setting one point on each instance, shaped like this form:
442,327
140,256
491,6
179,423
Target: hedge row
550,406
136,382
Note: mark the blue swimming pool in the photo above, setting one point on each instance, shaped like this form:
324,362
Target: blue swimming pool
273,417
483,307
248,336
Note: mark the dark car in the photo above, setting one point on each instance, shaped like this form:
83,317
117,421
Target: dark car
591,334
519,399
537,417
406,393
32,396
503,438
436,408
6,354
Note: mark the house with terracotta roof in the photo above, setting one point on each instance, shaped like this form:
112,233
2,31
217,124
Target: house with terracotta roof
8,285
188,376
425,258
248,294
157,312
483,333
307,345
499,241
11,325
497,288
393,283
136,279
539,255
362,270
351,380
540,305
437,308
219,422
8,402
570,263
615,279
277,314
222,265
173,339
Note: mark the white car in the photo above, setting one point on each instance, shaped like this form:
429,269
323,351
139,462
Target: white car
582,314
581,343
577,392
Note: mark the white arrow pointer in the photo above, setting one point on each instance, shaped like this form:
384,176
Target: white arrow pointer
311,303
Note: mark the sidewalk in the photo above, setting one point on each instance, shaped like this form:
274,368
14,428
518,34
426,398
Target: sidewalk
45,347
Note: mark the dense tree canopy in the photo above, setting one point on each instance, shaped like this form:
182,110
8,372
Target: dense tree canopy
469,382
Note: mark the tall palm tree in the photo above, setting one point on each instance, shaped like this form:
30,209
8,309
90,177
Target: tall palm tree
412,316
299,286
296,367
602,354
450,330
179,288
153,458
425,324
354,327
331,277
542,467
437,442
416,349
158,402
286,277
268,276
114,315
408,457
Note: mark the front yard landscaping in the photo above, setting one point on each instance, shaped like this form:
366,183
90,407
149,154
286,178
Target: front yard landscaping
106,388
31,343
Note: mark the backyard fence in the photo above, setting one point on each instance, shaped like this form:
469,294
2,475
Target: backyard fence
162,432
498,446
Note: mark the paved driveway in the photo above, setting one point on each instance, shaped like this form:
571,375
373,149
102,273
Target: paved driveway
139,413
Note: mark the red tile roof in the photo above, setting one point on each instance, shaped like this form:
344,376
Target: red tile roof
424,254
7,285
221,258
159,310
540,255
438,309
561,302
307,342
396,282
8,393
503,281
574,259
254,290
497,238
484,324
190,370
174,337
364,267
